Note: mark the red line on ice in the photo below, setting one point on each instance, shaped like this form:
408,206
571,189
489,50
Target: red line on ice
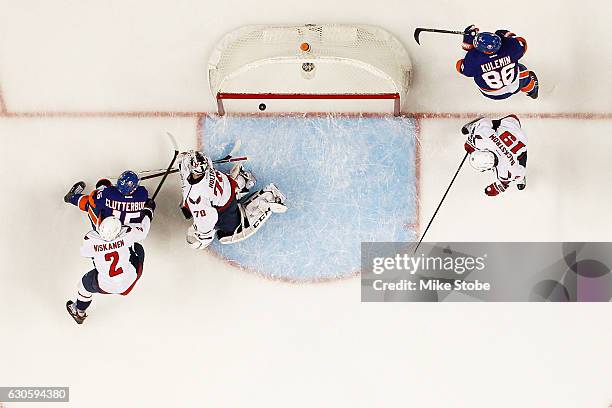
417,165
529,115
4,112
102,114
200,131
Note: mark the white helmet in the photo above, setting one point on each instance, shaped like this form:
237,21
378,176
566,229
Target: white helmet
482,160
109,228
199,164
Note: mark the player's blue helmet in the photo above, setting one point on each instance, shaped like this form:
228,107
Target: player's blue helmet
127,182
487,43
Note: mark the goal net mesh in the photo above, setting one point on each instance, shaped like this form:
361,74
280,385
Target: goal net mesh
366,60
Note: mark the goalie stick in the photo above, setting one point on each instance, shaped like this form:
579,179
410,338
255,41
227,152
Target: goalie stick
219,161
226,159
441,201
419,30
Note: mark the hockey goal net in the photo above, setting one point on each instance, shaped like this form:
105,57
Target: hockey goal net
306,68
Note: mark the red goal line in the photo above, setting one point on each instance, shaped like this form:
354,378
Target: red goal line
395,97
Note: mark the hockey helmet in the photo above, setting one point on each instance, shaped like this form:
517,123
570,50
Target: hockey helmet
482,160
199,164
487,43
109,228
127,182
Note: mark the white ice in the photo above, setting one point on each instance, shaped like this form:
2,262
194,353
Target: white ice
197,332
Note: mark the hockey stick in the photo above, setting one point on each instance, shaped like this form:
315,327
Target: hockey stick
172,140
161,183
176,152
418,32
230,160
232,152
219,161
441,201
226,159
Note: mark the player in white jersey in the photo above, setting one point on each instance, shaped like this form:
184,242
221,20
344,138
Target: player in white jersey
118,259
498,145
214,200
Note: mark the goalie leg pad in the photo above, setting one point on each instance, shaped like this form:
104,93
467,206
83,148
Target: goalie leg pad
256,210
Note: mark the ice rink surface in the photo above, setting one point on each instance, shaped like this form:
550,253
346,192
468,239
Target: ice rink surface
197,332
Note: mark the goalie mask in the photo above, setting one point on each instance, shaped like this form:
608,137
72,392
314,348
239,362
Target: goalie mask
482,160
199,164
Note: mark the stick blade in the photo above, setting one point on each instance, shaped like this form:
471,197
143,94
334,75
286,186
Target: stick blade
417,33
236,147
172,140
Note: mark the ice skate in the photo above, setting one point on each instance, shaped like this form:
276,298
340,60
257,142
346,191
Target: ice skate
79,316
77,188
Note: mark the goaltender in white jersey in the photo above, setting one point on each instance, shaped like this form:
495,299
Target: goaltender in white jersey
501,146
214,201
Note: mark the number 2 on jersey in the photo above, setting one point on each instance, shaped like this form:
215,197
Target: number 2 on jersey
113,258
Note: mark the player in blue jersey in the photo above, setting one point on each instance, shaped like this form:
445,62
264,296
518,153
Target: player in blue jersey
125,200
492,59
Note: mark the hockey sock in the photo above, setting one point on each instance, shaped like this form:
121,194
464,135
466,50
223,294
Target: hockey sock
82,306
83,297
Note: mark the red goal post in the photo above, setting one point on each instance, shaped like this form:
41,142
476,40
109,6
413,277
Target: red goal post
309,68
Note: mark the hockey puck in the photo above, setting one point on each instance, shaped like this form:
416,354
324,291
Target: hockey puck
262,107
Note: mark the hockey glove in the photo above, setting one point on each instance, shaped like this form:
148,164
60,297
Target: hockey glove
186,212
199,240
468,37
149,207
150,204
494,189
